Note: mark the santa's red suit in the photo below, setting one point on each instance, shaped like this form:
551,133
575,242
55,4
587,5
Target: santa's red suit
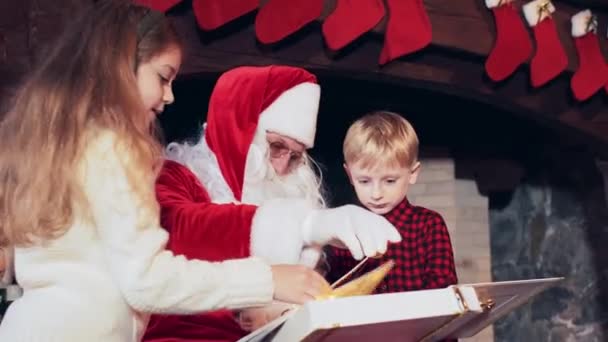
203,206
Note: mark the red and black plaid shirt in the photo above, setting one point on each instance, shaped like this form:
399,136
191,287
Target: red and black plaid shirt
423,259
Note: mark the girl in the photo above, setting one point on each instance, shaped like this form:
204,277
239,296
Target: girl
77,170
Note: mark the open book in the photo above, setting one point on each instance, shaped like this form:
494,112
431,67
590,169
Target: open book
458,311
363,285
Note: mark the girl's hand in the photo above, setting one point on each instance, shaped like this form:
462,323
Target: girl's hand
297,284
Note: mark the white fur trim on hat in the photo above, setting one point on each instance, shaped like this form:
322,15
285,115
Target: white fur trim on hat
580,23
531,11
496,3
294,113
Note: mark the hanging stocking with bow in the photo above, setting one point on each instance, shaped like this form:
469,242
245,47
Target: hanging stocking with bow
280,18
512,46
550,58
158,5
592,72
211,14
408,29
350,20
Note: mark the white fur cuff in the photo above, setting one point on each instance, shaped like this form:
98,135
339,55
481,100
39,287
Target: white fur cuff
276,231
310,256
534,14
580,23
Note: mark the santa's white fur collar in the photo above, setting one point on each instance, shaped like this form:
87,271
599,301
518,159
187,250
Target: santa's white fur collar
202,161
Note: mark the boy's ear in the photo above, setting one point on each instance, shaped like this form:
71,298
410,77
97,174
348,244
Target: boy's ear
415,171
350,177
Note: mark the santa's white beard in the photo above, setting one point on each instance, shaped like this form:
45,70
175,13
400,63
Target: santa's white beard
261,181
299,183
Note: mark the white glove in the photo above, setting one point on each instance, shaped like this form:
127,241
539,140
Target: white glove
362,232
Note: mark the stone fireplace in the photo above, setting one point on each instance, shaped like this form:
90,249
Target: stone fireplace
554,223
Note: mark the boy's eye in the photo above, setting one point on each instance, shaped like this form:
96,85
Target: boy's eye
391,181
363,181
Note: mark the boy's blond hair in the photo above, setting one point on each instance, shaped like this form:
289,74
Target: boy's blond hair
381,138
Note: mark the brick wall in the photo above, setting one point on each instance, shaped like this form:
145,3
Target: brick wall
466,214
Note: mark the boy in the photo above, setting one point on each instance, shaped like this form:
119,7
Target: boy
381,160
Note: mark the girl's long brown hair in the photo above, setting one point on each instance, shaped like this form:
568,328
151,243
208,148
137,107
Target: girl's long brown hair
86,83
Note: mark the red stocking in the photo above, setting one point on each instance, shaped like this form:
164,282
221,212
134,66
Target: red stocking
592,72
350,20
513,46
211,14
550,58
408,29
159,5
280,18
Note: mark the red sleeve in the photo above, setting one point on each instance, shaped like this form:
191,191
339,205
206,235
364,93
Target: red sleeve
198,228
439,271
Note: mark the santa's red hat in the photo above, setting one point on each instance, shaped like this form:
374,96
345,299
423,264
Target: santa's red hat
248,100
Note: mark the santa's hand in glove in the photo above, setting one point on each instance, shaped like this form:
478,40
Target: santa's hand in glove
362,232
283,229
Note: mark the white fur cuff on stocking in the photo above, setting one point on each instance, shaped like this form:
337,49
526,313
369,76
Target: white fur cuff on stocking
496,3
582,23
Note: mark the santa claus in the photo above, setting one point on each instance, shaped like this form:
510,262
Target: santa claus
247,187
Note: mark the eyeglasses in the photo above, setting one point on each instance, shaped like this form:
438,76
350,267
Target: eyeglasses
279,150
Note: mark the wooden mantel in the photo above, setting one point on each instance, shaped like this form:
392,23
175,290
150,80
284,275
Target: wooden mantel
463,34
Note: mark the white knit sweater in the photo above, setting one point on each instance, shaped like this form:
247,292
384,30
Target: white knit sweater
99,281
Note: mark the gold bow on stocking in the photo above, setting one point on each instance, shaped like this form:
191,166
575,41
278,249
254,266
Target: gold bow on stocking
545,8
591,24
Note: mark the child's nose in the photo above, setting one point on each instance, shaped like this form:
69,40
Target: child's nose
376,193
168,97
